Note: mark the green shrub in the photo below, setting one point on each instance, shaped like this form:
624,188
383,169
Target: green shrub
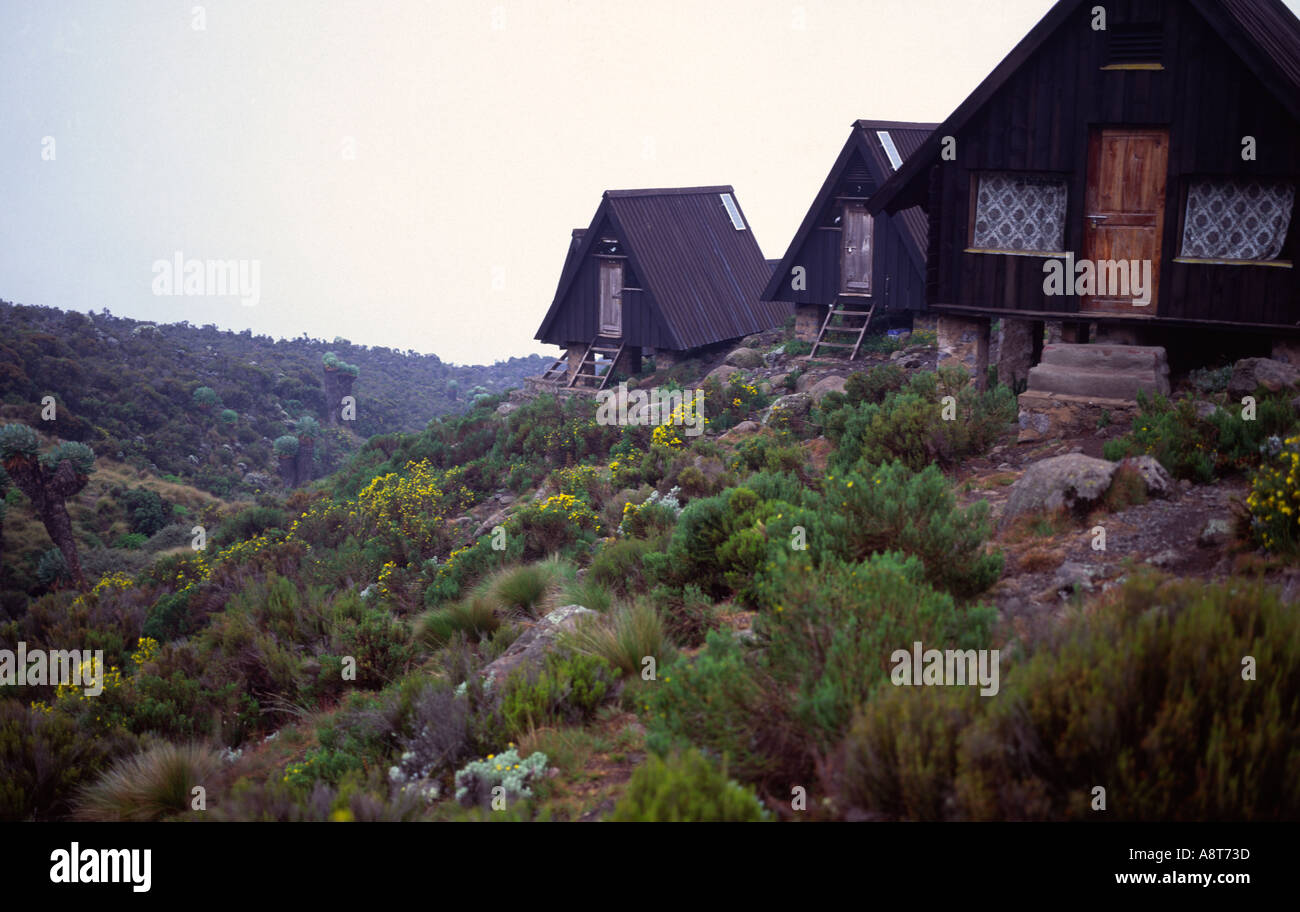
891,508
566,689
44,759
1146,696
686,787
909,426
901,752
833,629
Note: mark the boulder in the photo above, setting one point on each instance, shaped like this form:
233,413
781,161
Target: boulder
824,386
1218,531
1073,482
744,429
1251,373
1158,481
795,405
1073,576
722,373
533,644
745,358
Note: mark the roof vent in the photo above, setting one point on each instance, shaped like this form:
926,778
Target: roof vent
1135,43
891,150
733,211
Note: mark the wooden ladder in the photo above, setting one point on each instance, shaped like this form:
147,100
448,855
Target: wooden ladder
557,370
845,327
587,376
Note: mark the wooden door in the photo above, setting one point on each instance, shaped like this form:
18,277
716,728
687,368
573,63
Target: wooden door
611,298
856,262
1124,210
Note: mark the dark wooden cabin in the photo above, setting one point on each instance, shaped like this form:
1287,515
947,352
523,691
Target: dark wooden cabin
1173,135
841,257
665,270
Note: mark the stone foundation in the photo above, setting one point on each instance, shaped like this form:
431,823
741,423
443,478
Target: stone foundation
964,342
808,321
1287,351
1017,347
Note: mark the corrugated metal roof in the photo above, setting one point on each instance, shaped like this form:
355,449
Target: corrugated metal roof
1275,29
706,275
907,138
1264,33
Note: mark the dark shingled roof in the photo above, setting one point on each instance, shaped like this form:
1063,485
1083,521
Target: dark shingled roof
706,276
1264,33
907,137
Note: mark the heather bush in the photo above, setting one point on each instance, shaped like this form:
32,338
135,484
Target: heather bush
908,426
686,787
565,689
44,759
833,628
1150,696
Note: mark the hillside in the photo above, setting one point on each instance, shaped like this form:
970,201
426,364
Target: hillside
525,612
205,405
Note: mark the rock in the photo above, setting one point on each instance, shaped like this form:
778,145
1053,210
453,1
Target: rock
779,380
1250,373
1217,532
896,356
490,523
744,429
506,408
536,641
1158,481
723,372
826,385
795,405
1072,576
1205,410
1074,482
1165,559
745,358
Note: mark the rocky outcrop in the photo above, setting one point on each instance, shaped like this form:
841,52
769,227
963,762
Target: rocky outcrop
1250,374
534,643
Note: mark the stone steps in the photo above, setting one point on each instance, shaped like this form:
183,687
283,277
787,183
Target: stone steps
1101,371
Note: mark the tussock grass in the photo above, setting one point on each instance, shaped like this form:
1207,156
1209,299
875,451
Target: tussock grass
151,785
474,616
624,637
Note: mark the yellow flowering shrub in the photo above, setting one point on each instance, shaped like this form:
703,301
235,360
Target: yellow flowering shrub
1274,500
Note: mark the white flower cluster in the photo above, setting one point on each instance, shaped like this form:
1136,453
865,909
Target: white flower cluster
413,775
668,500
516,775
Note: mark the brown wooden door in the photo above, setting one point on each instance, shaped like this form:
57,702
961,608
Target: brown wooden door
611,298
855,264
1124,209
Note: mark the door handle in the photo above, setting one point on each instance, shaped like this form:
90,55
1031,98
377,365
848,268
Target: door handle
1097,218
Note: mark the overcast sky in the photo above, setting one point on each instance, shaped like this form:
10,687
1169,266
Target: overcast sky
407,173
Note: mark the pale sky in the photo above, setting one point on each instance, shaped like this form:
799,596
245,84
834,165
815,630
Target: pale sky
407,173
